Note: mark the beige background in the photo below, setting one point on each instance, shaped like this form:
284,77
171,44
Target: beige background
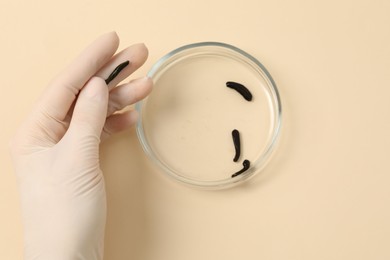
326,193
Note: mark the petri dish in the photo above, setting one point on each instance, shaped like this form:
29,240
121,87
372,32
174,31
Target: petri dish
186,123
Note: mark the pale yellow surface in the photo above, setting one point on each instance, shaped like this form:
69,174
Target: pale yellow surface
326,193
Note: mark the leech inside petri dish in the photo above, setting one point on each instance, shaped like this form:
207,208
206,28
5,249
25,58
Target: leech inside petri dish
237,144
240,89
246,164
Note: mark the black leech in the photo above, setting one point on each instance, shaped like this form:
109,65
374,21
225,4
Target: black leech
246,165
240,89
237,145
116,71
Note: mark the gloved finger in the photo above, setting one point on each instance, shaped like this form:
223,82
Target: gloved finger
135,54
118,123
127,94
63,90
90,110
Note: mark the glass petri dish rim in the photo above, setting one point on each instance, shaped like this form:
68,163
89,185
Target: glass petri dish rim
258,165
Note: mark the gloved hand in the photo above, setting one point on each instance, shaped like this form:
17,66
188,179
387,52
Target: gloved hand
56,151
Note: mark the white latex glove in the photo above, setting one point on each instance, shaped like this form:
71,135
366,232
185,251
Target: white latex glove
56,151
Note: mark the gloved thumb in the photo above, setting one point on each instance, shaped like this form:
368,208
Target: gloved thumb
90,111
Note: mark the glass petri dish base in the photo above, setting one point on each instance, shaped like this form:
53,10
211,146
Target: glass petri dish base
186,123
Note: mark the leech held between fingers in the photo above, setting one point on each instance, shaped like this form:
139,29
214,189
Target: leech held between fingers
116,71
